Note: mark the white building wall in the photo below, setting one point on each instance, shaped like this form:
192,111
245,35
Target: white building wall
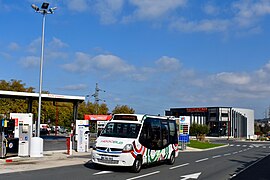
249,114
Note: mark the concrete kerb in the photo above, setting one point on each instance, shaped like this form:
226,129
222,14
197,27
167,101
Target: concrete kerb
47,156
190,149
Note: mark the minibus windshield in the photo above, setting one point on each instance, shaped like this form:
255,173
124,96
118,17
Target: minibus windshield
121,130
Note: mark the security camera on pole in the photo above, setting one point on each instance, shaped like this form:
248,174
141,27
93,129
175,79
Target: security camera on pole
44,10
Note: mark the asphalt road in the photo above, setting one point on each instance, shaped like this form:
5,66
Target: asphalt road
223,163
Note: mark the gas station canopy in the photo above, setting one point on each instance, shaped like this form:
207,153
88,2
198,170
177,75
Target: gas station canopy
44,97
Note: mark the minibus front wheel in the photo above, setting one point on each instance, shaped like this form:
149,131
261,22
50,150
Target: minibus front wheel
137,165
172,159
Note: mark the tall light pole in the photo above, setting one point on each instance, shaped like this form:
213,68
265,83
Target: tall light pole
44,10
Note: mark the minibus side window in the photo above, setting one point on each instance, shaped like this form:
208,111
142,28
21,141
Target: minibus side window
165,133
173,132
150,136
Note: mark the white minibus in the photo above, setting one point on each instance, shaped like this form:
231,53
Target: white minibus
133,140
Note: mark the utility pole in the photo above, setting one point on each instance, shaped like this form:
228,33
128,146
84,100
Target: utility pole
96,96
269,112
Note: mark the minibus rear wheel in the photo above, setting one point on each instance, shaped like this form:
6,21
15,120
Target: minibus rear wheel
137,165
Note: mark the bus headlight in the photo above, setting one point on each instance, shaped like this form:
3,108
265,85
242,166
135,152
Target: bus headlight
128,148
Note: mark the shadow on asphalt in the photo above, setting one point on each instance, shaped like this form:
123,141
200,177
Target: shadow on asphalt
244,163
94,166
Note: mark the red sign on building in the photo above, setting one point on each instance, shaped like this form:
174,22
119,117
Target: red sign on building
98,117
196,109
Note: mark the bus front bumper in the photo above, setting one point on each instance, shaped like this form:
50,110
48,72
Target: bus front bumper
112,159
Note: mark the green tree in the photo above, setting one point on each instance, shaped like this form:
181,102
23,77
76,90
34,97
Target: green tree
199,130
8,105
124,109
90,108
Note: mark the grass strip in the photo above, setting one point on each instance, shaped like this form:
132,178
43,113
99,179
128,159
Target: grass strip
202,145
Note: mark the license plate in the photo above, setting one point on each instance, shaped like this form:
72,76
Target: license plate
106,158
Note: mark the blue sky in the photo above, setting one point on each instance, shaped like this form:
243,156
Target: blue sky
151,55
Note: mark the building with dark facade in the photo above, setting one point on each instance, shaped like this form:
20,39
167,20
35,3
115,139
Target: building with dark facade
223,121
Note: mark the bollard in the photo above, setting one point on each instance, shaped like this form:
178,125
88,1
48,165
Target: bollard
68,144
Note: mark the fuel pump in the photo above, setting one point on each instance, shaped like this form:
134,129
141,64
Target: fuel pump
8,143
82,135
2,144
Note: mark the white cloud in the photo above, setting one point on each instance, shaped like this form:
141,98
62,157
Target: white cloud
241,16
34,46
112,63
5,55
81,63
264,72
108,10
78,5
248,12
57,43
108,64
233,78
75,87
206,25
13,46
29,61
148,9
211,9
168,64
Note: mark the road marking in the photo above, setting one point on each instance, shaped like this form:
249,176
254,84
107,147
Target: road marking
200,160
102,172
179,166
227,154
144,175
240,151
191,176
216,156
235,152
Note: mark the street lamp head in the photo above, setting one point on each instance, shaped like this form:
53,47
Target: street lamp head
52,10
35,7
45,5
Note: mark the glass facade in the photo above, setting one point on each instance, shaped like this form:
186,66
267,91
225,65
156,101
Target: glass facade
222,121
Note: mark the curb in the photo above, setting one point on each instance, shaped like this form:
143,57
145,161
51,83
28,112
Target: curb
47,156
189,149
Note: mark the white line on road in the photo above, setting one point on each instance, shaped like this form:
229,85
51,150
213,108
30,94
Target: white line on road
201,160
235,152
102,172
216,156
240,151
179,166
227,154
144,175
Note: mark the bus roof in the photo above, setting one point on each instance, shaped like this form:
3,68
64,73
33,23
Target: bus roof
136,117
